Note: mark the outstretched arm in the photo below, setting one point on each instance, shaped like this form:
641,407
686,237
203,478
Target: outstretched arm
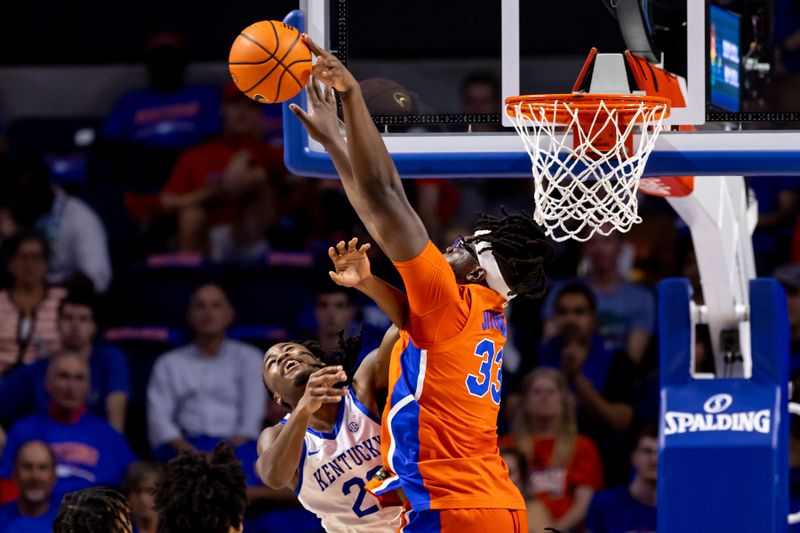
322,124
353,270
375,191
376,194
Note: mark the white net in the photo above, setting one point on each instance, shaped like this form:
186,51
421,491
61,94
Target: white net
587,184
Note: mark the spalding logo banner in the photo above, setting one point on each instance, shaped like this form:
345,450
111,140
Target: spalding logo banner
716,417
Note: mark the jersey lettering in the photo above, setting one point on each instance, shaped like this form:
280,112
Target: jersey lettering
360,483
366,450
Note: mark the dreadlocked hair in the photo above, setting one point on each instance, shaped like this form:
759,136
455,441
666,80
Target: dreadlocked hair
93,510
520,249
345,355
201,494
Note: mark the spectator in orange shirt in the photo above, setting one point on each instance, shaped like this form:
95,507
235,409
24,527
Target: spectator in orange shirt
564,467
220,191
28,308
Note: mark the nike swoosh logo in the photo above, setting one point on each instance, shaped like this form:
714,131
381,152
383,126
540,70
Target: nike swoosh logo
314,453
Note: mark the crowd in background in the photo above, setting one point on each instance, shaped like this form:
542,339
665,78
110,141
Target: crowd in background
145,273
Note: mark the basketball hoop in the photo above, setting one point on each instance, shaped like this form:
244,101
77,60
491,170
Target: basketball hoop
587,186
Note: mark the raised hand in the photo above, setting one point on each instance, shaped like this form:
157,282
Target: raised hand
351,263
321,119
329,69
320,389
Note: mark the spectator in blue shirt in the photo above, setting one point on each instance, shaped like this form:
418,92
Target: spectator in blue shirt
35,477
170,114
630,508
625,310
88,450
23,391
149,127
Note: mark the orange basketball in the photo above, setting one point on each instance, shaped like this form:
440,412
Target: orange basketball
269,62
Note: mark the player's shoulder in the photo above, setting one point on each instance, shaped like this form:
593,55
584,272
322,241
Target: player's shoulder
268,436
483,294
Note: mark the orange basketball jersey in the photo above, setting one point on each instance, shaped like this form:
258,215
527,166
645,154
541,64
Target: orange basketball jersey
439,433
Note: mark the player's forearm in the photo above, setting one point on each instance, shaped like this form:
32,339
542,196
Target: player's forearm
377,194
372,165
276,466
337,149
392,301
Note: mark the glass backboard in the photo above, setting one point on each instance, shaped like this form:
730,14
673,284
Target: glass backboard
453,64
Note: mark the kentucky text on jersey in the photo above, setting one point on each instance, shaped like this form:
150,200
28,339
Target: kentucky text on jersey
364,451
335,467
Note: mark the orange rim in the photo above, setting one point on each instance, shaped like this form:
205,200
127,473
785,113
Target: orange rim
556,108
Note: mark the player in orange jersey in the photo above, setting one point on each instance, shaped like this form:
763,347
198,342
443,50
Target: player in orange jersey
439,428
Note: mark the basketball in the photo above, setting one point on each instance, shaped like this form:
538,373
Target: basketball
386,97
269,62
